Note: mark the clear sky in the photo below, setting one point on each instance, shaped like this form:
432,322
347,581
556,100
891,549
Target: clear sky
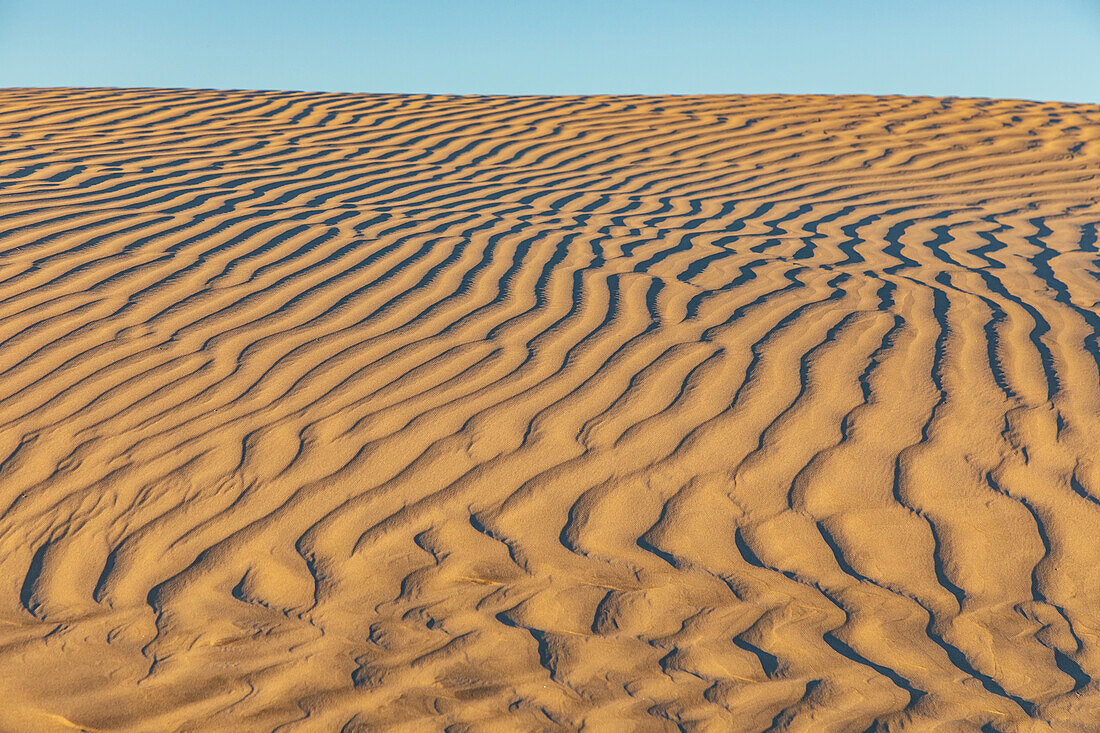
1031,49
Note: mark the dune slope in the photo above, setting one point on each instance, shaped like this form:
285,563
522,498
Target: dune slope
354,412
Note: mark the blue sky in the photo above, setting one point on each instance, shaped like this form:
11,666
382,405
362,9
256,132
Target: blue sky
1039,49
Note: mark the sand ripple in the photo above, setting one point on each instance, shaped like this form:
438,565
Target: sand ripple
344,412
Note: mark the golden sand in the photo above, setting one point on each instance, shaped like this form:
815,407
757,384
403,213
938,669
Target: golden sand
356,412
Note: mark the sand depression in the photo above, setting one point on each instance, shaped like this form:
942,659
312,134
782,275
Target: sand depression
354,412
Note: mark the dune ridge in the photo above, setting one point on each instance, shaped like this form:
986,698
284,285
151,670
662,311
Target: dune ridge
354,412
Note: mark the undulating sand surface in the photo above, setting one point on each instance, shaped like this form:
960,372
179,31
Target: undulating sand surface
356,412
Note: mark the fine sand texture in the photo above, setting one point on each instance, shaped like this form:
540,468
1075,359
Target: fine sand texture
333,412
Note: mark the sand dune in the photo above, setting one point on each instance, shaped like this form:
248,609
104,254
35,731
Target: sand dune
357,412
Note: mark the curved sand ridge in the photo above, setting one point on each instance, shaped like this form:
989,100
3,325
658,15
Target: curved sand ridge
722,413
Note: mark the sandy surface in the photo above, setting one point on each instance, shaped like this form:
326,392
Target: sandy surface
344,412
